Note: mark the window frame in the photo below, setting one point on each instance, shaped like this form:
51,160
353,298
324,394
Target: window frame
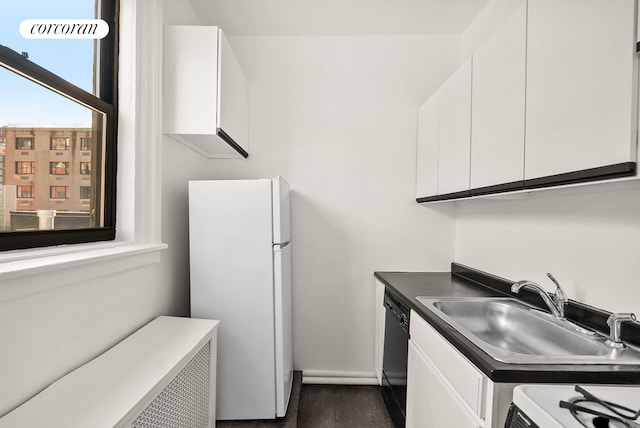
106,102
85,144
53,168
32,167
54,146
54,192
31,146
82,193
87,169
19,194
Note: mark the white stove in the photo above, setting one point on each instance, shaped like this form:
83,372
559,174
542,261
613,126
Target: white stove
540,405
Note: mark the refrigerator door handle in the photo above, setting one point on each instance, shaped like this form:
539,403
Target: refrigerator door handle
281,245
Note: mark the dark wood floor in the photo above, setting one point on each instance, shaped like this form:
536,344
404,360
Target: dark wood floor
327,406
340,406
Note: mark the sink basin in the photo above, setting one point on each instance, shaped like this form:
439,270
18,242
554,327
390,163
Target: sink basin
513,332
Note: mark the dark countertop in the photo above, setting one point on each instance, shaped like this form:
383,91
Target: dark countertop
407,285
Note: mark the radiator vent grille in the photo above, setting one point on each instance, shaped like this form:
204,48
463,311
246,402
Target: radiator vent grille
184,403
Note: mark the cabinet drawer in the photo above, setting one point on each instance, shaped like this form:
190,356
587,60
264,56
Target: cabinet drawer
468,382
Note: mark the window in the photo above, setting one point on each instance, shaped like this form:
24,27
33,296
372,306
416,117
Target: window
24,143
61,96
59,168
60,143
85,192
85,168
59,192
24,191
25,167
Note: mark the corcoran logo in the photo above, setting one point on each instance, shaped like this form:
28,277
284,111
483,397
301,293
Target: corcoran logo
64,29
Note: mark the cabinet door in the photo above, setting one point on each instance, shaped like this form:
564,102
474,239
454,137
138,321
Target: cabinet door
497,125
379,315
580,85
190,80
431,401
455,132
205,91
427,148
233,100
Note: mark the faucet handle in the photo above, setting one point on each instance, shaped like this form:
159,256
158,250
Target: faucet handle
614,322
560,294
559,297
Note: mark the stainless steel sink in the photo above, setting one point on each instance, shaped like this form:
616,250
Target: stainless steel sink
513,332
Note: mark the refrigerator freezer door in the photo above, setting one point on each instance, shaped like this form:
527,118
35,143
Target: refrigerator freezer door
284,326
281,211
231,256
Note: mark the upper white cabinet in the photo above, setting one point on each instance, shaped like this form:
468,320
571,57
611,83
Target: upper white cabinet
498,102
550,99
427,148
206,97
444,136
454,149
581,85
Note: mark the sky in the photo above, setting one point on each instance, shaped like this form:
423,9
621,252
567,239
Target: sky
22,101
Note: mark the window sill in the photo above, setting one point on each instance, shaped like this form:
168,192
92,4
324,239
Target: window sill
113,257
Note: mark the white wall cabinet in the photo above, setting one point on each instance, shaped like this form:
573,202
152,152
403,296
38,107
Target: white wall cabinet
498,102
444,136
550,99
206,96
427,148
581,90
454,134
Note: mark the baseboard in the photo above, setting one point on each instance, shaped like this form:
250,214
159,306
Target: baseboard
339,377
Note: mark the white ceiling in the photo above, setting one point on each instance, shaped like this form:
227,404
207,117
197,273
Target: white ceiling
338,17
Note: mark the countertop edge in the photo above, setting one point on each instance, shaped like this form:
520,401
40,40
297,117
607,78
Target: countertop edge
405,286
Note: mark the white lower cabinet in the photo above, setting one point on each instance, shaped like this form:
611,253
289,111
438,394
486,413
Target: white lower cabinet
444,389
431,400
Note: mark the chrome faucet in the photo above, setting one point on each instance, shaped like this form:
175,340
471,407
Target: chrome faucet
614,322
559,296
556,303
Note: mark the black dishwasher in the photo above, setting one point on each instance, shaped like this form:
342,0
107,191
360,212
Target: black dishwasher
394,363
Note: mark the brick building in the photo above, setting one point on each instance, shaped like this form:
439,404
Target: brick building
45,167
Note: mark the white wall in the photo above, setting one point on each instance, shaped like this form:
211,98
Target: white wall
589,241
587,237
83,311
179,165
336,116
55,321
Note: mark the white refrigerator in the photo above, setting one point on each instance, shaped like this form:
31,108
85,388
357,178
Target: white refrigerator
240,261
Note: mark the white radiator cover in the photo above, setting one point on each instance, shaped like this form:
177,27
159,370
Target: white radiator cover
162,376
185,402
